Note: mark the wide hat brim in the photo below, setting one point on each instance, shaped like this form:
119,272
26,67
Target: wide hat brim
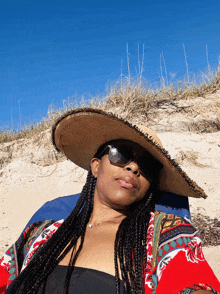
79,133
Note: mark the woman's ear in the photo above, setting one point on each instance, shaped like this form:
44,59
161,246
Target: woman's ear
95,162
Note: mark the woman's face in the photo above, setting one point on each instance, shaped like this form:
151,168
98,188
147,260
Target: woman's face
119,187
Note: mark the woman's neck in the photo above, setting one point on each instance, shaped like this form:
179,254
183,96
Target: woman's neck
102,213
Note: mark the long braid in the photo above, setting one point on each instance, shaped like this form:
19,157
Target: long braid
85,218
130,248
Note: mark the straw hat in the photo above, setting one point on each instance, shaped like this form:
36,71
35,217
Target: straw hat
79,133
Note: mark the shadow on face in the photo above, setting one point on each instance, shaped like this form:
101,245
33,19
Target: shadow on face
121,185
121,152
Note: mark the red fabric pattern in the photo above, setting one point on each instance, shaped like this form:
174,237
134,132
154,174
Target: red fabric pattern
176,277
4,275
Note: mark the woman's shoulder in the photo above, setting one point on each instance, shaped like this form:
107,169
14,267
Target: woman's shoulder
36,229
171,220
170,227
41,230
20,253
177,248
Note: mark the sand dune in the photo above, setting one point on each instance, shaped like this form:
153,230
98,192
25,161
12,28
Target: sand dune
31,174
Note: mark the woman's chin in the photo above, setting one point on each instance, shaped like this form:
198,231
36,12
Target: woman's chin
122,202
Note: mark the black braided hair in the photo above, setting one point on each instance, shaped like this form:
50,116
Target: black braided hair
52,252
130,245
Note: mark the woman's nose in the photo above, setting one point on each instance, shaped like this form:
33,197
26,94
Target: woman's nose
133,166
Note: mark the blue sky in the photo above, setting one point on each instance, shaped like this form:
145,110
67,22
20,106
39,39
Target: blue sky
52,50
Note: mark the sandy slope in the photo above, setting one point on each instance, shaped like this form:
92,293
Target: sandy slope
25,186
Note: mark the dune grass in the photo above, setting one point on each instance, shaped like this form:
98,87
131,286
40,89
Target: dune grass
130,95
209,229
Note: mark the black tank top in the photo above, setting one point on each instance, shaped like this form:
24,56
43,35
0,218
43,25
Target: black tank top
83,281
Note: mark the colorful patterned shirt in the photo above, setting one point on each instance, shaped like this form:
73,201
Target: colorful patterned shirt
175,261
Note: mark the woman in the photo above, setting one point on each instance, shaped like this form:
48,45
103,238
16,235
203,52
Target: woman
113,241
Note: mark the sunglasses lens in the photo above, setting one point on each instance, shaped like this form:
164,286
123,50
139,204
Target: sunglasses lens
148,165
144,168
120,155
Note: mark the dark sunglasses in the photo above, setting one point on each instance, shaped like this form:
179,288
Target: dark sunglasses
122,155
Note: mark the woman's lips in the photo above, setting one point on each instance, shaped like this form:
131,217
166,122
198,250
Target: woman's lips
127,183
